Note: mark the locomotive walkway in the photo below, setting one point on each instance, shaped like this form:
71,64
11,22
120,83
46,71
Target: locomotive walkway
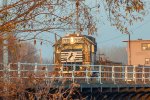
118,80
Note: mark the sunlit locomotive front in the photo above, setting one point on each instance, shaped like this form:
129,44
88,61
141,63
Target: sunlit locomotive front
75,49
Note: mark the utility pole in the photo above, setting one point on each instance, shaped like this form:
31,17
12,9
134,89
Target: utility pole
5,49
5,42
41,60
5,53
77,16
77,4
129,48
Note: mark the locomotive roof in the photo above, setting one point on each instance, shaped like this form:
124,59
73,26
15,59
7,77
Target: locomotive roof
88,38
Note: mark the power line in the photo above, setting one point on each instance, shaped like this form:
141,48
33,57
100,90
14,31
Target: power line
135,29
111,39
125,35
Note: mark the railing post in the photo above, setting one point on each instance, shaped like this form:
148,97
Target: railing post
73,72
6,71
46,72
35,69
61,72
46,75
126,74
134,74
122,73
148,74
100,74
113,75
143,75
19,69
87,78
9,70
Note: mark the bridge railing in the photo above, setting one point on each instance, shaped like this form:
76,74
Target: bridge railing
97,74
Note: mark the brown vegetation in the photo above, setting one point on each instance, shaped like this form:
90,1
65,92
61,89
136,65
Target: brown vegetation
32,87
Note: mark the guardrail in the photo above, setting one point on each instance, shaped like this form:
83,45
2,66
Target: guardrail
97,74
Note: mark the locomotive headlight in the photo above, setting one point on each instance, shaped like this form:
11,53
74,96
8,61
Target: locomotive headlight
72,40
81,68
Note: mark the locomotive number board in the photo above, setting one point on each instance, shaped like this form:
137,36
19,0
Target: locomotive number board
72,40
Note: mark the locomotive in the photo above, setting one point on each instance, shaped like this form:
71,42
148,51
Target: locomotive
75,49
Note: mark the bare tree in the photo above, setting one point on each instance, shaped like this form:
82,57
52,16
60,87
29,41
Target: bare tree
45,15
28,53
25,20
22,52
123,13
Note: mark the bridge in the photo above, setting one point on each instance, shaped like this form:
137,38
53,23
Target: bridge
98,81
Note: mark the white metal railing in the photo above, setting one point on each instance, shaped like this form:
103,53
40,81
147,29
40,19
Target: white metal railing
80,73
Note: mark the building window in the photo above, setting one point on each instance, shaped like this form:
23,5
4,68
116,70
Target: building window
147,61
146,46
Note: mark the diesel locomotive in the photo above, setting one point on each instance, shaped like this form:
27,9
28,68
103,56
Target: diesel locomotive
75,49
